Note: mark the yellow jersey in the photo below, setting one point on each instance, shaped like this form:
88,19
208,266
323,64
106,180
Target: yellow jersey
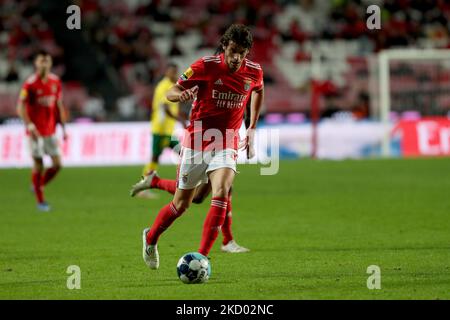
161,123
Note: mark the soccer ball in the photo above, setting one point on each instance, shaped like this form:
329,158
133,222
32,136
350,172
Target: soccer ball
193,267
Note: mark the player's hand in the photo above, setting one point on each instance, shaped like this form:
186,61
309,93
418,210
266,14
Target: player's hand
65,136
188,94
247,143
33,131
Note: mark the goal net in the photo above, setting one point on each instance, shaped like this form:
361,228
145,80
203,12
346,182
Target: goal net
408,84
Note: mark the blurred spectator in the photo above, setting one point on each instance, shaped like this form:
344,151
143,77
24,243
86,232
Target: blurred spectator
331,105
12,75
362,108
137,36
126,107
175,50
95,107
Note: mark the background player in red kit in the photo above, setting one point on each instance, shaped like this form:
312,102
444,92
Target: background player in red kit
222,85
40,103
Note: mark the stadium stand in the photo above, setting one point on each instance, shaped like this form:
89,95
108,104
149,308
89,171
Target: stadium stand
139,36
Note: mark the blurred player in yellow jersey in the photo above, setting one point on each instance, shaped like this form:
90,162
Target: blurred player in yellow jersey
164,116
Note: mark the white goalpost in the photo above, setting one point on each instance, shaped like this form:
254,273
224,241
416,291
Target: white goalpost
439,58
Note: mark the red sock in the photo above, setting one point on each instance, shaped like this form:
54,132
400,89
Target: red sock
226,227
49,174
213,222
164,219
36,179
164,184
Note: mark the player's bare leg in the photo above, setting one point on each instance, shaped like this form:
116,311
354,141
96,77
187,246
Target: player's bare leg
166,216
201,193
36,178
221,182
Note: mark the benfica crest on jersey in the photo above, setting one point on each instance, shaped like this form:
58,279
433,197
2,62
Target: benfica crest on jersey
247,84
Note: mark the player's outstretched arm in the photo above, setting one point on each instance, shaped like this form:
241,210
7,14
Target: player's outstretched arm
178,94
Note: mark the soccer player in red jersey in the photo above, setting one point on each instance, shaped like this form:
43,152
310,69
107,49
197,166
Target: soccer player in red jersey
152,181
221,86
39,101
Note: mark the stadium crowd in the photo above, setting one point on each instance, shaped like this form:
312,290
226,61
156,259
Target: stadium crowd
140,36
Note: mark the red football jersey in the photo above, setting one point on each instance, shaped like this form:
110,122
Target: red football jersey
41,101
221,100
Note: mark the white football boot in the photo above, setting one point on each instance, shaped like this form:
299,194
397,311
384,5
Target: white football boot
233,247
149,252
143,184
147,194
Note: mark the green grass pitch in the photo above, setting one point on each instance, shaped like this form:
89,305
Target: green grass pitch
313,229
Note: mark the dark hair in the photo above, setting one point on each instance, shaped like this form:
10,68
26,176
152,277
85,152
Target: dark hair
41,52
239,34
171,65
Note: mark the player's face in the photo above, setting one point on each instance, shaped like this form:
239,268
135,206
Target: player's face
172,73
234,55
43,63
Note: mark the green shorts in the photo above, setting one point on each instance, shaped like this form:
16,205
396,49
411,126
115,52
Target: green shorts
162,141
